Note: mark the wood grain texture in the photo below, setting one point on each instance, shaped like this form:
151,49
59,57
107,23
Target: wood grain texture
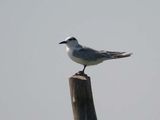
81,97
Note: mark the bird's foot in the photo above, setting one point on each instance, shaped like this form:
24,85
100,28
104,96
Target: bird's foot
80,73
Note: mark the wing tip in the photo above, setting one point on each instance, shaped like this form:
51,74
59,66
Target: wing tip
122,55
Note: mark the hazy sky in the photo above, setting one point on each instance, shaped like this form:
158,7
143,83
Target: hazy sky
34,68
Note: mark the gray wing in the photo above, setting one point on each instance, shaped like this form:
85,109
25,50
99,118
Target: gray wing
88,54
93,55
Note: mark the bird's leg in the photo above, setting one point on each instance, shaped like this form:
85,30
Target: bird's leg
82,72
84,68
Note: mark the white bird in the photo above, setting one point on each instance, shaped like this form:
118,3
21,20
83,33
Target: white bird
88,56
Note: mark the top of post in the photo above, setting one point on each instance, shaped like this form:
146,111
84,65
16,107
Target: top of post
80,76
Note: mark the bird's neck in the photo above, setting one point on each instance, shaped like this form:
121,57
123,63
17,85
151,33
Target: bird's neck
67,49
72,47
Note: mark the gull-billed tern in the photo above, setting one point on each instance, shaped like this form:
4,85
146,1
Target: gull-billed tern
88,56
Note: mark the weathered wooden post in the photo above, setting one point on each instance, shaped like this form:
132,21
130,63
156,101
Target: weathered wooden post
81,97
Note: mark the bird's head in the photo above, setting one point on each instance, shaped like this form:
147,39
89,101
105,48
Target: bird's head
70,42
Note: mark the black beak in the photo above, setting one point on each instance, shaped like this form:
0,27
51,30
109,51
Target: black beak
63,42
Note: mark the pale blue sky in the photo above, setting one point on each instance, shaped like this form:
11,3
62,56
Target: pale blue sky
34,68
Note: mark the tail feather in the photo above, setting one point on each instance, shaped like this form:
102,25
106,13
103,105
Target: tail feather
116,55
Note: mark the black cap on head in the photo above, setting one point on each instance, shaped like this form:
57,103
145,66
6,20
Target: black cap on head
71,38
68,39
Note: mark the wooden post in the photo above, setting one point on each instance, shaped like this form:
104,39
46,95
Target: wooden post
81,97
